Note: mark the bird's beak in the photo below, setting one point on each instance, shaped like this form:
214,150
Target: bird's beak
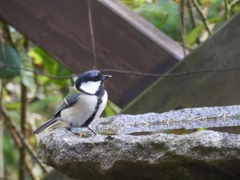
106,77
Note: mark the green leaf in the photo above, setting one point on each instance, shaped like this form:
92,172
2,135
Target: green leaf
12,106
194,34
108,111
114,107
236,9
164,15
134,3
8,57
111,109
50,66
40,56
36,57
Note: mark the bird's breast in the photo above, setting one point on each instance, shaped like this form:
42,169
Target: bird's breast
78,113
102,105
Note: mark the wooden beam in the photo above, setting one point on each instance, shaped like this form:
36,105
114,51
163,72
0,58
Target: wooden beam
124,40
217,88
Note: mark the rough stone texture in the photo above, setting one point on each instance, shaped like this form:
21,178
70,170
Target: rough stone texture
199,155
191,118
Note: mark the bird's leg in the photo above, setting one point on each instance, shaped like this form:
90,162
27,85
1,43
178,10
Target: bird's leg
80,134
92,130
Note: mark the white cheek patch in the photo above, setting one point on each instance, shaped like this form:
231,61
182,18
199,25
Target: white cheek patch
90,87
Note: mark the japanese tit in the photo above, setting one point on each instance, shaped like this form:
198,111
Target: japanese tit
84,103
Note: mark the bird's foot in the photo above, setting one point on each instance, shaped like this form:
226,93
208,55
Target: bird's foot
75,131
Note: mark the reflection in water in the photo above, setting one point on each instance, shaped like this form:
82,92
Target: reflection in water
230,129
229,124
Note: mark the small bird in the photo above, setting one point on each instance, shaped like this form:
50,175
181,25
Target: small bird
84,103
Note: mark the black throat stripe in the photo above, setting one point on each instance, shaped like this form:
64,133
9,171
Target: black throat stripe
100,93
89,120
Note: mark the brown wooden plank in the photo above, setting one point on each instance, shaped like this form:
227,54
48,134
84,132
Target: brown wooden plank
123,40
221,51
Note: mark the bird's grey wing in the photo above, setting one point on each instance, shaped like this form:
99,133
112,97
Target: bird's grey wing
45,125
68,101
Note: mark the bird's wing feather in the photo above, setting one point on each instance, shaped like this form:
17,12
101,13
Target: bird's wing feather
68,101
45,125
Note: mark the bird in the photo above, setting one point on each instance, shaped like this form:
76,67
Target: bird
84,103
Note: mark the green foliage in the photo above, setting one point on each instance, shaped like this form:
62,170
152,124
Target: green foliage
44,93
40,105
28,78
163,15
49,66
10,157
195,33
133,4
8,57
111,109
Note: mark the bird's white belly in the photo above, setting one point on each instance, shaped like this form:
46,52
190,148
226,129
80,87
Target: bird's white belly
77,114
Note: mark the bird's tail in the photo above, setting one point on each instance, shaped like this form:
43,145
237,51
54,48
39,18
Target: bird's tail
47,124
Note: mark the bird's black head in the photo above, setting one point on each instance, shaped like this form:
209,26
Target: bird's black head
93,75
90,81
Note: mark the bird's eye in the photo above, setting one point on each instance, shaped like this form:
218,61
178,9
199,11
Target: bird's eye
98,77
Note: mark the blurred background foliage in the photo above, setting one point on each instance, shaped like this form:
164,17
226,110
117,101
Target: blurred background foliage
164,14
28,98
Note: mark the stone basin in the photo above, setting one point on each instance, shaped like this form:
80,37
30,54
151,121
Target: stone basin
197,143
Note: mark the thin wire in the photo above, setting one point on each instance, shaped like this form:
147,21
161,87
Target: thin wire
182,33
38,73
201,71
90,22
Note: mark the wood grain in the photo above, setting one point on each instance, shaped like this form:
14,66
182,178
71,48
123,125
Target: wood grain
124,40
217,88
